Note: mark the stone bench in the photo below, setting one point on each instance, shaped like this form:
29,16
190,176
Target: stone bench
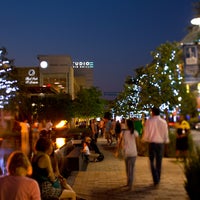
75,159
72,161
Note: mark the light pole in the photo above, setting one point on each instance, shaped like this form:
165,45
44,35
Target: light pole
195,21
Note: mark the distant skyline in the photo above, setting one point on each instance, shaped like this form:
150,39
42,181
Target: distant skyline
117,35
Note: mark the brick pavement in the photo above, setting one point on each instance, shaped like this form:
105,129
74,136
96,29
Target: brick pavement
105,180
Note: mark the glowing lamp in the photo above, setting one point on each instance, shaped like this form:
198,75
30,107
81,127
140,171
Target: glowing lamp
60,142
61,124
195,21
43,64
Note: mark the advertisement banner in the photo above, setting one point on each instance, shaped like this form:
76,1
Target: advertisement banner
191,63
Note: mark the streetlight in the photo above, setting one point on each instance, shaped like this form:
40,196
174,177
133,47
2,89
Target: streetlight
44,64
195,21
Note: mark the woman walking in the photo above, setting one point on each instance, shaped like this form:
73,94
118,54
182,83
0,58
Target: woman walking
128,142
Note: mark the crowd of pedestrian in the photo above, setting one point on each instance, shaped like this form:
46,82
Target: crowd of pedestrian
153,134
30,133
36,163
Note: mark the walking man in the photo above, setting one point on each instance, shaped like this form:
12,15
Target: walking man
156,134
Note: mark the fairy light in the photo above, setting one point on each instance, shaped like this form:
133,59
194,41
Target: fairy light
8,87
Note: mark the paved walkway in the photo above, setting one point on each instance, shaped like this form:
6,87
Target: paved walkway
105,180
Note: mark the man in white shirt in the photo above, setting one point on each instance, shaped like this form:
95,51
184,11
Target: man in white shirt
156,134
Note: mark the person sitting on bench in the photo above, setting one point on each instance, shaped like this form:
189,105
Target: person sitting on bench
89,155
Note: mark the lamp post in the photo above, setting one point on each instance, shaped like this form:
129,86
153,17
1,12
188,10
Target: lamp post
43,64
196,29
195,21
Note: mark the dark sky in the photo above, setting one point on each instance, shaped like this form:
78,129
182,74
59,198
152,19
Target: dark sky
117,35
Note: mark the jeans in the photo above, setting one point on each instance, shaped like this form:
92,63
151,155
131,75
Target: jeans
155,157
130,163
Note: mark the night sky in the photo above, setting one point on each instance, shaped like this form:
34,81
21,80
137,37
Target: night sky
117,35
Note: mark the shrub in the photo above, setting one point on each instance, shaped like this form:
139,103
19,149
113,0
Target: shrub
170,149
192,173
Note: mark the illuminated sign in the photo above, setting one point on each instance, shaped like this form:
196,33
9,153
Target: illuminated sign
31,78
31,72
83,65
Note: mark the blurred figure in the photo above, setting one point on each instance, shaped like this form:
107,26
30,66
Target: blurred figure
138,125
49,125
35,134
101,127
117,130
89,154
7,146
140,146
62,181
107,130
182,132
42,125
16,126
43,173
156,134
25,130
123,124
112,130
128,144
44,134
94,129
15,185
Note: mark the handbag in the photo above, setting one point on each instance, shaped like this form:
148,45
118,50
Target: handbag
112,132
60,183
56,183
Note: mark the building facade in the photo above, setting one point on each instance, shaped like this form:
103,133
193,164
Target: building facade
59,73
83,73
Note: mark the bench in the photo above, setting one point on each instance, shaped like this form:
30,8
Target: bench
73,161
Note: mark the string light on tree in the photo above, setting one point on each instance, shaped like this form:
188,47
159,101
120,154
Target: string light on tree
8,85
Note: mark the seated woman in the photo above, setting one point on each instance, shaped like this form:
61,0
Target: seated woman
16,185
44,174
54,162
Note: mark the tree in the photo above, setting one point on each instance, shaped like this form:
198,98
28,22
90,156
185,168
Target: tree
88,103
127,100
188,104
161,82
8,85
57,107
8,90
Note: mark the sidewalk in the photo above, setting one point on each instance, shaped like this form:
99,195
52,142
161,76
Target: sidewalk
105,180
